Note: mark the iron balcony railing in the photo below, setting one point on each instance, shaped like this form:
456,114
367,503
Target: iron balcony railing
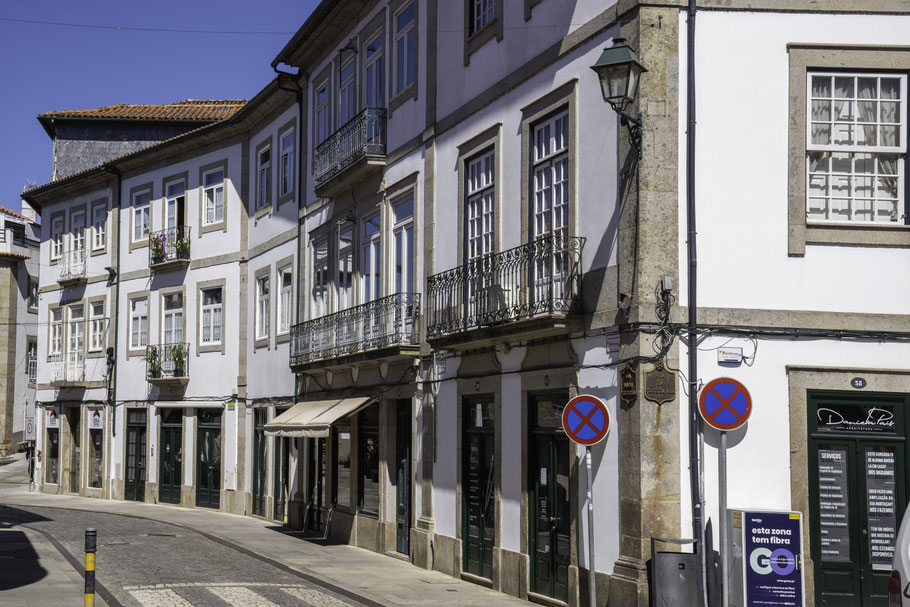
67,366
172,244
388,321
32,368
362,135
72,265
541,278
167,361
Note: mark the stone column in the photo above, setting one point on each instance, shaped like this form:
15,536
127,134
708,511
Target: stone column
648,249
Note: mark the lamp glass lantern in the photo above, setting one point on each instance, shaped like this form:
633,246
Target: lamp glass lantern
620,72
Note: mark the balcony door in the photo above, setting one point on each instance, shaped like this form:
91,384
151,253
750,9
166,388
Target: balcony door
347,93
75,343
371,278
403,271
486,291
78,234
176,200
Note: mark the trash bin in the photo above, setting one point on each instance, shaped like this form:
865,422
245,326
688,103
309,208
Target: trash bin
674,575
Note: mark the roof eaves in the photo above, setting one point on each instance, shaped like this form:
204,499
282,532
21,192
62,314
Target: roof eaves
309,26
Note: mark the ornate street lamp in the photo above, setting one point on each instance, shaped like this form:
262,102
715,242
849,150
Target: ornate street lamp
620,72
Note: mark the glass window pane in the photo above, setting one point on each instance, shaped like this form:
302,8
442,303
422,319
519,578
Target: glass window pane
817,208
821,133
840,162
821,86
891,136
821,110
843,87
840,209
890,88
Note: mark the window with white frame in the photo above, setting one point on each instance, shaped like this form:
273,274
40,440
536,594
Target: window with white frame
57,226
856,137
262,307
141,215
172,319
480,206
96,326
174,205
286,178
320,278
323,113
285,299
551,177
403,241
405,48
32,292
99,223
344,285
347,92
139,323
371,259
213,195
373,72
480,14
264,178
76,330
56,335
77,225
211,316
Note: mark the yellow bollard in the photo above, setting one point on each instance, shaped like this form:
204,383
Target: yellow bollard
91,542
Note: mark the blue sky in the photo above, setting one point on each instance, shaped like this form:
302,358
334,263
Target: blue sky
50,67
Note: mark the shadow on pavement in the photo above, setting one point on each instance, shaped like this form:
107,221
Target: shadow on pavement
307,536
10,517
20,563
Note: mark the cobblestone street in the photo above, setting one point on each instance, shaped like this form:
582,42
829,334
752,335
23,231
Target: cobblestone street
145,563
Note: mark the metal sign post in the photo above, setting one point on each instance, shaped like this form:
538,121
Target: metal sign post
586,421
724,404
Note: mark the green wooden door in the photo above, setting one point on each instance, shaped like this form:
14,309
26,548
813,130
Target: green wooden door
170,456
858,493
478,487
134,488
260,463
549,505
316,488
208,460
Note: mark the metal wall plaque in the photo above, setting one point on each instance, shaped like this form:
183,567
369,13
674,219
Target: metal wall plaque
628,384
660,385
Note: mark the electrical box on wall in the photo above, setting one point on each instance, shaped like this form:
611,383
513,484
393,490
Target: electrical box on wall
729,356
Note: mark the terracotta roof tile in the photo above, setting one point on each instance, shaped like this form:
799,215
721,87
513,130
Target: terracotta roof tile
17,215
189,109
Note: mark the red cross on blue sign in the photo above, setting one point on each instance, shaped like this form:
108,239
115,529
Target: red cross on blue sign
586,420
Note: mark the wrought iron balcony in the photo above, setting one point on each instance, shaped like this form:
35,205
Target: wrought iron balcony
68,367
387,322
170,247
167,363
72,267
361,141
537,280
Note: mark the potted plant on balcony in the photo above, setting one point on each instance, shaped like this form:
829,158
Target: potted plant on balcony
154,361
178,355
182,247
158,243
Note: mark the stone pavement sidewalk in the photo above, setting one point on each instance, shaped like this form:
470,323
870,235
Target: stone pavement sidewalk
381,580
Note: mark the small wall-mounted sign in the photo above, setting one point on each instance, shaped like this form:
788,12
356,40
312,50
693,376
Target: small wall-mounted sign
729,356
613,343
858,382
628,385
660,385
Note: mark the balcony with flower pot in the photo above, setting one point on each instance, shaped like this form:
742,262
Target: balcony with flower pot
167,364
169,249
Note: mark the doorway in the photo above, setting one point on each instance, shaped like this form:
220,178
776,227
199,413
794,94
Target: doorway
171,455
403,431
316,485
208,459
478,486
260,463
549,497
75,439
282,463
857,494
135,455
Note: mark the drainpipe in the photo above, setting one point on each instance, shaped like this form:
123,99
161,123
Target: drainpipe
696,439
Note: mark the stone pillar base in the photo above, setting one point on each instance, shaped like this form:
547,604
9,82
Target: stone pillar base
421,536
629,583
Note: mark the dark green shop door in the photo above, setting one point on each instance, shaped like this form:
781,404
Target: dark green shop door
548,499
403,477
171,456
478,486
208,459
260,463
316,488
858,492
135,455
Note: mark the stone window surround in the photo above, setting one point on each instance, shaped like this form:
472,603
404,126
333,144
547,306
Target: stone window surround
200,287
560,99
290,125
285,263
130,297
264,342
488,140
139,189
183,176
260,147
802,58
162,292
317,237
99,202
88,332
57,215
396,100
218,225
326,79
50,323
395,193
493,29
366,34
